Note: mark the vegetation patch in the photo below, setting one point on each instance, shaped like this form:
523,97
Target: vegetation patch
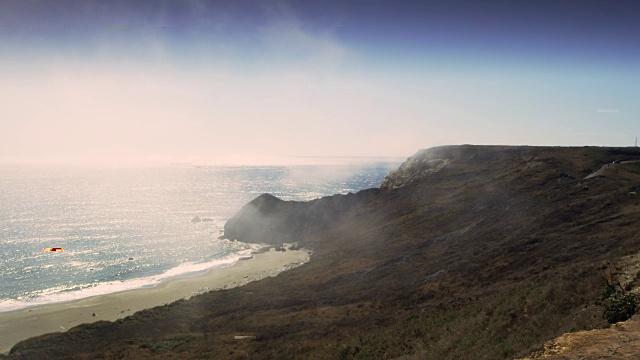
166,344
633,168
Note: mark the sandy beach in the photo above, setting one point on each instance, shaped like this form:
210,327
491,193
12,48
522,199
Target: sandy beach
22,324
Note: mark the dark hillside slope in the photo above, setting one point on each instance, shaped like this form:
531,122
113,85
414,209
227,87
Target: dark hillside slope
267,219
465,252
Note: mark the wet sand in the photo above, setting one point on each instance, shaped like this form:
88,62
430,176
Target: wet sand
22,324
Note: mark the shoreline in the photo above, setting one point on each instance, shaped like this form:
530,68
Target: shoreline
18,325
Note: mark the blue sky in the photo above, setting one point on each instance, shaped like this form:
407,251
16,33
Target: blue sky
152,82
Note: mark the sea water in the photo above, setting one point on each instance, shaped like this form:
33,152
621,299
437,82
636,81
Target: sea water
131,228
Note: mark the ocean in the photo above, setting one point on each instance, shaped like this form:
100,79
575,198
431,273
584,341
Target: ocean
131,228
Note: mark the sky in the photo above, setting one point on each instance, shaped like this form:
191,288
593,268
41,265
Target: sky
259,82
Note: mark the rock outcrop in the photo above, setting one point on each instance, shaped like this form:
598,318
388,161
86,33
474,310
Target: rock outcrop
620,341
412,170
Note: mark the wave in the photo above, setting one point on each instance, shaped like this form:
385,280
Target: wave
80,291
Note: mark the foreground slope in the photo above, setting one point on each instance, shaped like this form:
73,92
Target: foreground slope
465,252
621,341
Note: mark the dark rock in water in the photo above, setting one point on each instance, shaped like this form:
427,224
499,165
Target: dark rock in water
130,259
280,248
196,219
207,219
94,314
267,219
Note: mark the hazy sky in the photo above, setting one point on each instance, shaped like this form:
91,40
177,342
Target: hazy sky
153,82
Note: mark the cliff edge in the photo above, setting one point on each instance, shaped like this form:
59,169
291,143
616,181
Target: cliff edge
418,166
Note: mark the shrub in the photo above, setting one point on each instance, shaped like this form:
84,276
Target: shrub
620,307
608,291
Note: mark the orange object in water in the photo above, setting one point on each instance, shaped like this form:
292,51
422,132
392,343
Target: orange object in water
53,249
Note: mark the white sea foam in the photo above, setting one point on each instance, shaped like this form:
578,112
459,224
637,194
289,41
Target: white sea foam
79,264
65,293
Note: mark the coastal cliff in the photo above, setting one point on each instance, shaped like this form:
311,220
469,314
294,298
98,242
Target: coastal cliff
464,252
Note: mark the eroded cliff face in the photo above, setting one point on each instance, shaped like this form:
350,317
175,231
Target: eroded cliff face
411,171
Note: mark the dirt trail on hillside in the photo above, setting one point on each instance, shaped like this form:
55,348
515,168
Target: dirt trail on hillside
607,166
599,171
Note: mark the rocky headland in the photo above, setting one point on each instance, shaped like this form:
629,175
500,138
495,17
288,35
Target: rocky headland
464,252
269,220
